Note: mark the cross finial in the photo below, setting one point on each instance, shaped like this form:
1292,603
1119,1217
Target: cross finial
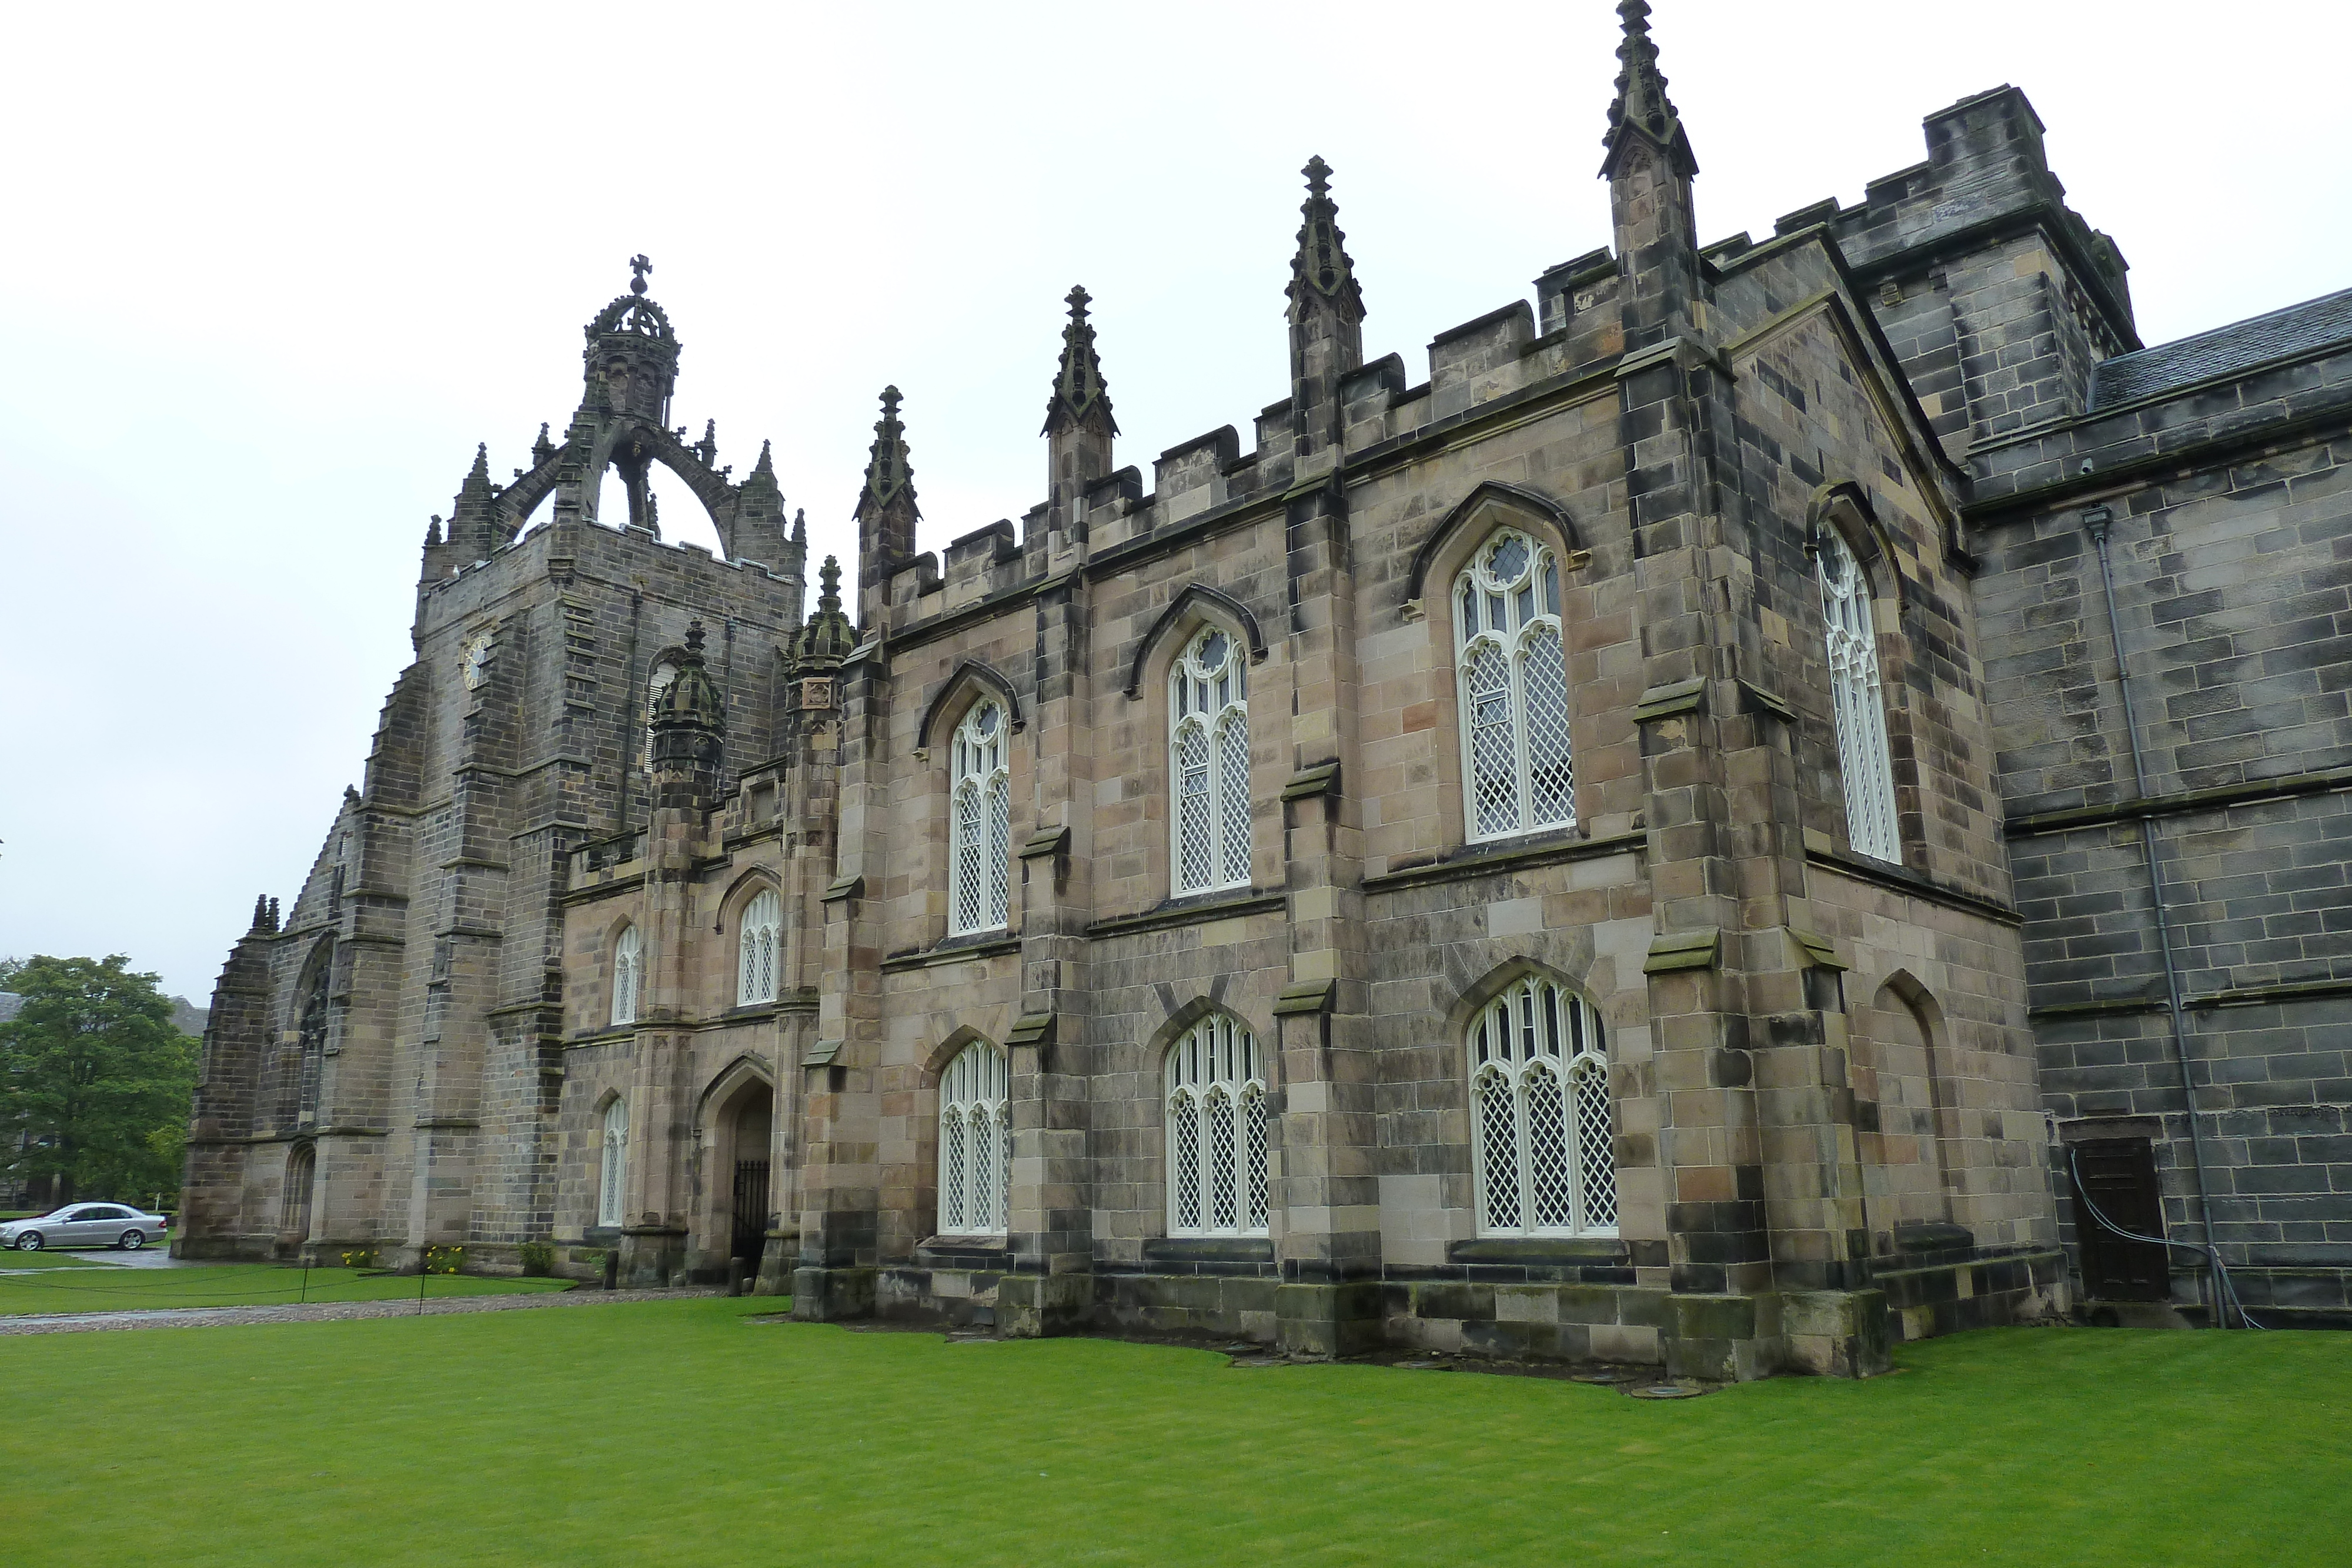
889,402
1076,300
1318,176
829,578
639,267
694,638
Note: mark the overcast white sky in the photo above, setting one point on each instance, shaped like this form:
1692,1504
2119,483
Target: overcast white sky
275,272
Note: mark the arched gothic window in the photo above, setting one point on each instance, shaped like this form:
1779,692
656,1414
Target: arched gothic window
313,1037
1209,764
1216,1131
755,948
1514,674
1854,693
1540,1116
980,830
612,1183
628,976
975,1143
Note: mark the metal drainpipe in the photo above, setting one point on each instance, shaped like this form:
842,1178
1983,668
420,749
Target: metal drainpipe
2096,521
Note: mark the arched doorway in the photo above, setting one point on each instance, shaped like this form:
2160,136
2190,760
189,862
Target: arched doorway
751,1127
301,1176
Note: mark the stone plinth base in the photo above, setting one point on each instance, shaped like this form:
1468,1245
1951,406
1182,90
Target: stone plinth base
652,1257
821,1295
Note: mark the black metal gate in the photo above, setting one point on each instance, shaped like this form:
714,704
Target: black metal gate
751,1211
2119,1175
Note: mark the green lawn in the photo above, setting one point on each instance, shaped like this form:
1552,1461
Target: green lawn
677,1432
94,1286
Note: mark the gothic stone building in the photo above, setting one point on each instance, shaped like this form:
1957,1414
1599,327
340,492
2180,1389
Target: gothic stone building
1636,846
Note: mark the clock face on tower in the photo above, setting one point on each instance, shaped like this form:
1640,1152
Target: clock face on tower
477,660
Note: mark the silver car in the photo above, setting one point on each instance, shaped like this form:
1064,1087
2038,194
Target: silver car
85,1224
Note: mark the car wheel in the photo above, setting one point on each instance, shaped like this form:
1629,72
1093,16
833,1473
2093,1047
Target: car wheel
29,1243
131,1241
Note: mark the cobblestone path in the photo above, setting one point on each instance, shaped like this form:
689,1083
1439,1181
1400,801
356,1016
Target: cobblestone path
324,1312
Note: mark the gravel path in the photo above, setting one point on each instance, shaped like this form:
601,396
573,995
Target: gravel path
325,1311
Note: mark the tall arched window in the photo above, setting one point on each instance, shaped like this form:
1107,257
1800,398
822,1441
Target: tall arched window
1540,1116
628,976
1514,674
1854,693
980,830
1216,1131
313,1035
1209,764
612,1181
755,949
975,1143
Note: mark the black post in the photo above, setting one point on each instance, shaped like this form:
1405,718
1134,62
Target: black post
613,1269
424,1268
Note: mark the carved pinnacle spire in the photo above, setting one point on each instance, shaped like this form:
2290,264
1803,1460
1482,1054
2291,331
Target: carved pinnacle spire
828,577
1081,399
261,912
800,525
1640,105
767,464
887,470
1321,274
543,449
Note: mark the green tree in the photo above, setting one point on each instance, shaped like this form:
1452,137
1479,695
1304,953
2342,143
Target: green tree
95,1082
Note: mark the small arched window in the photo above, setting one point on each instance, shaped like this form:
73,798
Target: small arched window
1540,1116
612,1182
628,976
1514,676
755,949
1216,1115
1863,758
975,1143
980,828
1209,764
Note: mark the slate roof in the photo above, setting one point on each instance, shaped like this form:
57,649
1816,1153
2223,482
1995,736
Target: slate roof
2313,324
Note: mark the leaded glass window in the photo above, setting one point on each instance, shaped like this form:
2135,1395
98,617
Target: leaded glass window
755,949
1861,707
612,1187
628,976
1540,1116
980,831
975,1143
1512,669
1217,1132
1209,764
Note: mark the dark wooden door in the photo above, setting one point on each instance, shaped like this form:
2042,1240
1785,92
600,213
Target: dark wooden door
2119,1175
751,1210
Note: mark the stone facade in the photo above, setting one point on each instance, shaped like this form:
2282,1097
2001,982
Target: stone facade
523,956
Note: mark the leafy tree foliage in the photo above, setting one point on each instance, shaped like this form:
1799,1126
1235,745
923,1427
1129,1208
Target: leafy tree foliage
95,1082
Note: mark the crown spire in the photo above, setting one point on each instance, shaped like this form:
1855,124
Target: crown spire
1321,273
1080,401
1641,105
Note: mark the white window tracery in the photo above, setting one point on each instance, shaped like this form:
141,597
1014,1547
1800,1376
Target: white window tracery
1209,764
1217,1132
975,1143
980,829
612,1188
1871,826
1540,1116
1512,669
755,945
628,975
